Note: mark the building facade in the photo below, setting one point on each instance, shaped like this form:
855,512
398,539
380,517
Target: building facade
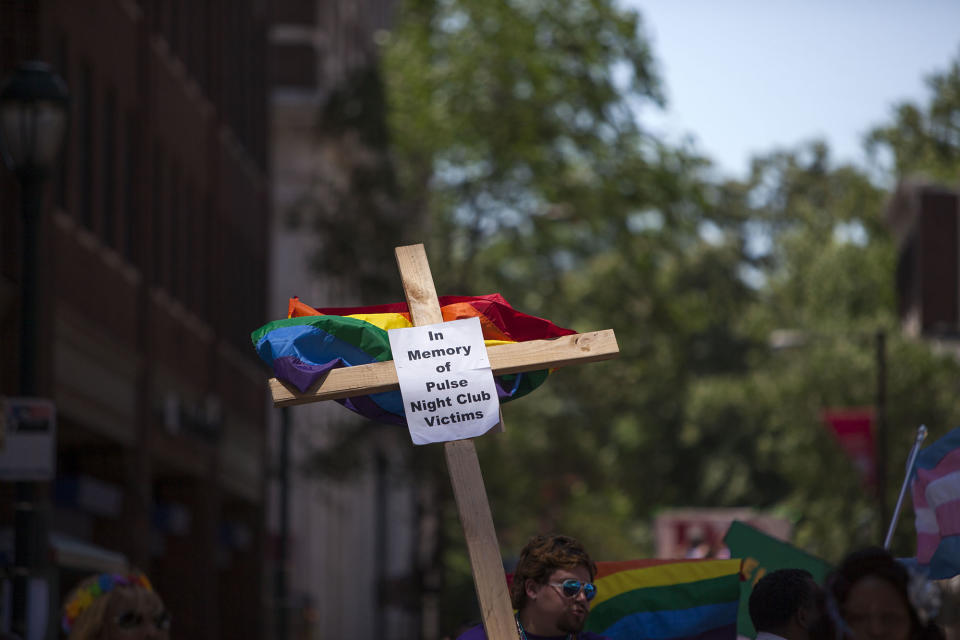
356,543
153,271
925,220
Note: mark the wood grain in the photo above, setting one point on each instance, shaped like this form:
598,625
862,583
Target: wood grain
464,468
461,456
504,359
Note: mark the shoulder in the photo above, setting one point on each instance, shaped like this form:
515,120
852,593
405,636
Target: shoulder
589,635
473,633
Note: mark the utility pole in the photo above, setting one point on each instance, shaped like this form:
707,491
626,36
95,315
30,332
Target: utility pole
881,434
35,105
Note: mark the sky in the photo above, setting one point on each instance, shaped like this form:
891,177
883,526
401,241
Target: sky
744,77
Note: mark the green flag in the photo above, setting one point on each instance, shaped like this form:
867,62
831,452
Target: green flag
762,553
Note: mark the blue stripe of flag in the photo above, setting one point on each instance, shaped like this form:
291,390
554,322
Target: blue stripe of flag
313,345
674,623
945,562
930,457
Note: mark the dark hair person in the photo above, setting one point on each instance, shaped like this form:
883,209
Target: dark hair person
786,603
872,596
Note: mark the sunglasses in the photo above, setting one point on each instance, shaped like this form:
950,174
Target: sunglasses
135,620
571,588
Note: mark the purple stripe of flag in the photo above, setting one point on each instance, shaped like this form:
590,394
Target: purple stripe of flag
301,374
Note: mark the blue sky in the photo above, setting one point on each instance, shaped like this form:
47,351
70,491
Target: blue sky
747,76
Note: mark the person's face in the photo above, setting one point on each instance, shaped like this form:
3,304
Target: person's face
566,613
135,614
875,611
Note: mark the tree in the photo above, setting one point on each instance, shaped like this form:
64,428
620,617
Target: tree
826,271
513,122
924,139
513,128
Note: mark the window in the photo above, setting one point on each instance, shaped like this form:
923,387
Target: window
171,243
131,166
85,124
158,215
109,176
63,171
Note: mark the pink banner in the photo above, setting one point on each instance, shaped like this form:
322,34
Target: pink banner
853,429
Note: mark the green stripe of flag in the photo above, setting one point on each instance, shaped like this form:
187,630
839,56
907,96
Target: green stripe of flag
677,596
361,334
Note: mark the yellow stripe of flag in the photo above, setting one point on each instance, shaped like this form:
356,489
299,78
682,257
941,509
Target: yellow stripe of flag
660,575
387,321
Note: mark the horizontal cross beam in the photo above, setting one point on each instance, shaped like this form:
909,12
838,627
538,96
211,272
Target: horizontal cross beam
516,357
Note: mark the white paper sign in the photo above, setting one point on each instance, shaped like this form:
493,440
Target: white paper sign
445,380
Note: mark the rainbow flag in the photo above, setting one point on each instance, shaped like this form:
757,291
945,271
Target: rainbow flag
666,599
311,342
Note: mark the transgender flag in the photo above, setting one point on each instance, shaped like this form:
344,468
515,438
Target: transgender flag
936,499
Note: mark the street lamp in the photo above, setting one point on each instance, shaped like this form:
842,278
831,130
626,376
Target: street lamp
796,338
33,120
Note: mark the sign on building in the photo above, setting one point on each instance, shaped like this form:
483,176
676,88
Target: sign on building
28,449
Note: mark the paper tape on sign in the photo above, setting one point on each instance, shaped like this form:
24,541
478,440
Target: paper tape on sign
445,380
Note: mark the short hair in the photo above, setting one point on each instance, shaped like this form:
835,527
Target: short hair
778,595
541,556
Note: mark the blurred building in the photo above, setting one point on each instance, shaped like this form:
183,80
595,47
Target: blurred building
154,262
925,219
355,543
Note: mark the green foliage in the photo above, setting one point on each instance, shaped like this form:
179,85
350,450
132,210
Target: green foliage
827,274
514,130
924,140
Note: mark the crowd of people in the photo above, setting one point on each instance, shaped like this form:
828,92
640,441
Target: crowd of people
870,596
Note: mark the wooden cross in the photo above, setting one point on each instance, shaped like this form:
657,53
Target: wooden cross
461,455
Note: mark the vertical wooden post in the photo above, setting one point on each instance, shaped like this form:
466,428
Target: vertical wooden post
464,469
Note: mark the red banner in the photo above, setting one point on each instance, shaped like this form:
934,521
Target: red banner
853,429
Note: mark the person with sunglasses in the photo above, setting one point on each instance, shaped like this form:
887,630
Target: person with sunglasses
551,591
112,606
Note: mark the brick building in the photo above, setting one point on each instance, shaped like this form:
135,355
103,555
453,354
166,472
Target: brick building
925,220
154,261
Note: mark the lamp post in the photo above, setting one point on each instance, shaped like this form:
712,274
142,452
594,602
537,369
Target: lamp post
880,346
794,338
33,121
